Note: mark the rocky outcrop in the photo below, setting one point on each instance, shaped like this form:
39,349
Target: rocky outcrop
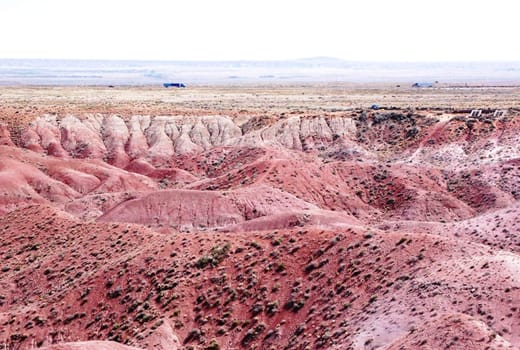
115,135
5,135
454,331
82,138
159,138
164,338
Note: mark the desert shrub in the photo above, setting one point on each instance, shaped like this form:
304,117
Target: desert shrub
213,345
311,266
272,308
401,241
194,334
253,333
256,309
115,293
294,305
215,256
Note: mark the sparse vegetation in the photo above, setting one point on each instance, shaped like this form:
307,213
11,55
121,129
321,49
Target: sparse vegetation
215,256
333,220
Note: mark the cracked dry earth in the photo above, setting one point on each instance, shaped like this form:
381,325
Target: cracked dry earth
356,229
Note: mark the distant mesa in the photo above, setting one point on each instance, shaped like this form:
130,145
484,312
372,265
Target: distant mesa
177,85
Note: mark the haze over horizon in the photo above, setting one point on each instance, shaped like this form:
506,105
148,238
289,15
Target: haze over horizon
402,30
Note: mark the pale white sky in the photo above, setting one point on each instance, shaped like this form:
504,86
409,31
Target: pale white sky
377,30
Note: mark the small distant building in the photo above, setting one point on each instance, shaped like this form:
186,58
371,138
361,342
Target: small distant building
476,113
499,113
177,85
422,85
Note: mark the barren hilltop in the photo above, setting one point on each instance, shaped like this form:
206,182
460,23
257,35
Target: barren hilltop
260,217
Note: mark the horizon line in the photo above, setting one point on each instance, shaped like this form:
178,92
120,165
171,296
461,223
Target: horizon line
317,58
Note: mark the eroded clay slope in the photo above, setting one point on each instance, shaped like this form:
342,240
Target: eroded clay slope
28,177
363,230
159,138
350,288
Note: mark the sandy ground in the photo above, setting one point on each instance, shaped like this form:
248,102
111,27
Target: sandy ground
27,102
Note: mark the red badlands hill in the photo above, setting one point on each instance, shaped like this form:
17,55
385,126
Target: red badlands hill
334,289
392,230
